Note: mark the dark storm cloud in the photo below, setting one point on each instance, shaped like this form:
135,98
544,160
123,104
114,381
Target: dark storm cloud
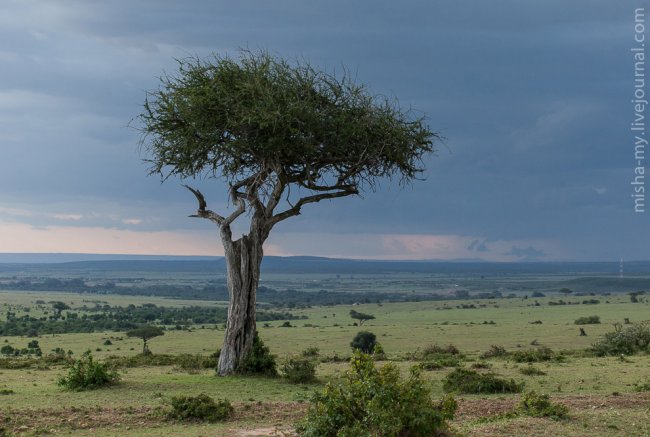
532,98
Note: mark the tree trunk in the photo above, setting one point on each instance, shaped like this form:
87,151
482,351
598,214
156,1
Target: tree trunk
243,259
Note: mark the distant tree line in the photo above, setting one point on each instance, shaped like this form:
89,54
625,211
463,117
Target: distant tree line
115,318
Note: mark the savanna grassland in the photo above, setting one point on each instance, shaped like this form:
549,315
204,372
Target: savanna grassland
605,395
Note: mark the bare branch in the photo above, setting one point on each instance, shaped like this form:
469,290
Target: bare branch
203,212
295,210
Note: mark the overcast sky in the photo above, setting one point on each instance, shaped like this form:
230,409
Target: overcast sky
533,98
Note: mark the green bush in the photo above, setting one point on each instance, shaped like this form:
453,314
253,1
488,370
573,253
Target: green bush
635,338
436,350
364,341
642,386
201,407
299,370
310,352
533,355
531,371
537,405
471,382
259,361
371,402
495,351
87,374
588,320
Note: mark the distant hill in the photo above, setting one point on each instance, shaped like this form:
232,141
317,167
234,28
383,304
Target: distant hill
308,264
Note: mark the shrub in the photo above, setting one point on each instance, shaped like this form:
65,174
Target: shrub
481,365
299,370
435,350
107,342
372,402
588,320
635,338
311,352
495,351
87,374
378,352
364,341
537,405
471,382
533,355
201,407
642,386
531,371
259,361
7,350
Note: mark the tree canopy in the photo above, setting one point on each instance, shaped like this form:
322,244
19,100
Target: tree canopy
261,123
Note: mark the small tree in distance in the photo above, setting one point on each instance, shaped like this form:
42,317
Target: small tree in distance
361,317
145,333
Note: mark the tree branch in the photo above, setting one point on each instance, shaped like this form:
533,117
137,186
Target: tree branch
295,210
203,212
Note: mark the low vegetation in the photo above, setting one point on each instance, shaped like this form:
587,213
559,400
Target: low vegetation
299,370
539,405
260,361
199,408
629,340
364,341
88,374
467,381
376,402
588,320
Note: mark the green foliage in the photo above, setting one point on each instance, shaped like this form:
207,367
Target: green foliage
587,320
539,405
201,408
185,362
228,117
7,350
378,352
371,402
537,355
632,339
495,351
299,370
87,374
471,382
364,341
310,352
259,361
642,386
531,371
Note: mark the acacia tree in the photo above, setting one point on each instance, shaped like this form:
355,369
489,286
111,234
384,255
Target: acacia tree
281,135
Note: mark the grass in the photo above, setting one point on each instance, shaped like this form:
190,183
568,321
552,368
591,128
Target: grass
401,328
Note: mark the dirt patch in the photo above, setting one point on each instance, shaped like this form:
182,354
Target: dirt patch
476,408
29,420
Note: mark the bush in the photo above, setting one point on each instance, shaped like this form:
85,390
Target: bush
533,355
642,386
378,352
259,361
635,338
87,374
371,402
311,352
364,341
531,371
435,351
495,351
589,320
299,369
471,382
536,405
201,407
